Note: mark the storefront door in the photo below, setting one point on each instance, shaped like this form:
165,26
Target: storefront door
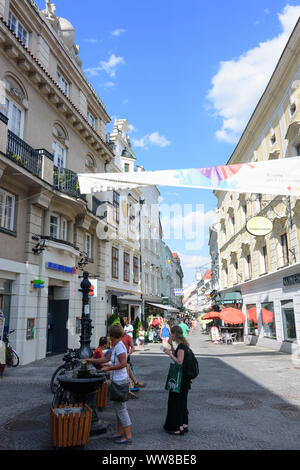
5,295
57,338
288,320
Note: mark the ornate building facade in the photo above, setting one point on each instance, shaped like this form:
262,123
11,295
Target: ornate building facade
264,271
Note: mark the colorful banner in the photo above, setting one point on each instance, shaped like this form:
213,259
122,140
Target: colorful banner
280,176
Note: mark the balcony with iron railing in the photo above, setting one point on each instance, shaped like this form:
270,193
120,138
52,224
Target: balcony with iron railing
66,181
24,155
39,162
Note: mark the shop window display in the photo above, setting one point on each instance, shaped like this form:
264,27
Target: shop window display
252,319
268,319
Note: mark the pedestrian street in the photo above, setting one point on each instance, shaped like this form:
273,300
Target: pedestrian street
245,397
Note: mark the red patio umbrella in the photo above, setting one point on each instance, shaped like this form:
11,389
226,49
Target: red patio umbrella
267,316
232,316
252,314
211,315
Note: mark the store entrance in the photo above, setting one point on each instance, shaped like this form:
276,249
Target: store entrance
58,314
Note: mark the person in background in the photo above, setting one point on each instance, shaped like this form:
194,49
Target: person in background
98,353
135,385
185,328
164,333
128,328
141,338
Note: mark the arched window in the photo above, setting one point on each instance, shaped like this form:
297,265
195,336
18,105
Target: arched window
60,144
90,166
15,104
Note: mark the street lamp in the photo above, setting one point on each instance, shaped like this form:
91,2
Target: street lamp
86,327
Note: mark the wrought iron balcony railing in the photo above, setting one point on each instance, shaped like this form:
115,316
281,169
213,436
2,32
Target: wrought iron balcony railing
66,181
24,155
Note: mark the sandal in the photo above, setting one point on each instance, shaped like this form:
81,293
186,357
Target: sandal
176,433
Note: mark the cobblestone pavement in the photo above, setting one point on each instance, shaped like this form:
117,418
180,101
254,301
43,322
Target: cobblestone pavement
245,397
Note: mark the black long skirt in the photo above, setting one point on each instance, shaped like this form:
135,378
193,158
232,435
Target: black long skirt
177,414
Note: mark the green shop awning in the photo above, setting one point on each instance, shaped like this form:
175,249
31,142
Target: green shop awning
229,298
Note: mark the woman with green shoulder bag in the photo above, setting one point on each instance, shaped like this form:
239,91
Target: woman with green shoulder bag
177,416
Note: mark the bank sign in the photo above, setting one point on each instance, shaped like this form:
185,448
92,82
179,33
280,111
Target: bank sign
60,267
291,280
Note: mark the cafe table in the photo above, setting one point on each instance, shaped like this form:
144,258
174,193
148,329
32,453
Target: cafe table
239,330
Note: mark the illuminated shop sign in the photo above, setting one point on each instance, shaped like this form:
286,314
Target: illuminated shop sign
61,267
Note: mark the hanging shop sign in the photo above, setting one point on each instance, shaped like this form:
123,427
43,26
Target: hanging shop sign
259,226
179,292
60,267
291,280
37,284
276,177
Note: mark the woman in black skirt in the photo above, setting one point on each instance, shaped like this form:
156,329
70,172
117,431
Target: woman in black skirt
177,417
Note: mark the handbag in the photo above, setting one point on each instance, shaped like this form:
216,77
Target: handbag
173,382
118,391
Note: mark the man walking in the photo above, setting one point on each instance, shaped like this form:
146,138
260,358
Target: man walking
185,328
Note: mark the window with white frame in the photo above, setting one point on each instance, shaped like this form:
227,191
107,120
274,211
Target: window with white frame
89,245
59,153
126,267
63,84
54,226
7,210
15,116
284,249
64,229
264,259
146,283
248,267
92,120
17,27
132,224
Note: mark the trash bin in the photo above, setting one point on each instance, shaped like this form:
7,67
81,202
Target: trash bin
70,425
101,396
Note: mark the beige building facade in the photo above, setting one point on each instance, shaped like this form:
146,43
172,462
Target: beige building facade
52,126
265,271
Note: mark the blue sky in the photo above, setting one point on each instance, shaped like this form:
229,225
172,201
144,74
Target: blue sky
187,75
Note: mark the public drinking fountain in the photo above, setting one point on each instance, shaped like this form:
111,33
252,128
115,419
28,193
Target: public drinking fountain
83,382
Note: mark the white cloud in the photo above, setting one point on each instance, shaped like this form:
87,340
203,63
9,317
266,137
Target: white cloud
108,84
159,140
139,142
151,139
185,217
109,66
117,32
239,83
193,261
92,40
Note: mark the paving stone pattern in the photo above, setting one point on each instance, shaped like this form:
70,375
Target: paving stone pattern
245,398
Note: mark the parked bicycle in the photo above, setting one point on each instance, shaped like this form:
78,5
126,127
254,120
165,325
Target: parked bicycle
61,396
71,360
12,358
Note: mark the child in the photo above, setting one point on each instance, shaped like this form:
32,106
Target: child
98,353
141,338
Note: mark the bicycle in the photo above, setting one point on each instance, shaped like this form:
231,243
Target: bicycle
61,396
71,360
12,358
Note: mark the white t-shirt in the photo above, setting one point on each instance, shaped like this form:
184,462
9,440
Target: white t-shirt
128,329
119,375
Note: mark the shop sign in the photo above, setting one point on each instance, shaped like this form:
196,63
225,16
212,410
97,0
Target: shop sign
178,292
259,226
165,300
291,280
60,267
38,284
